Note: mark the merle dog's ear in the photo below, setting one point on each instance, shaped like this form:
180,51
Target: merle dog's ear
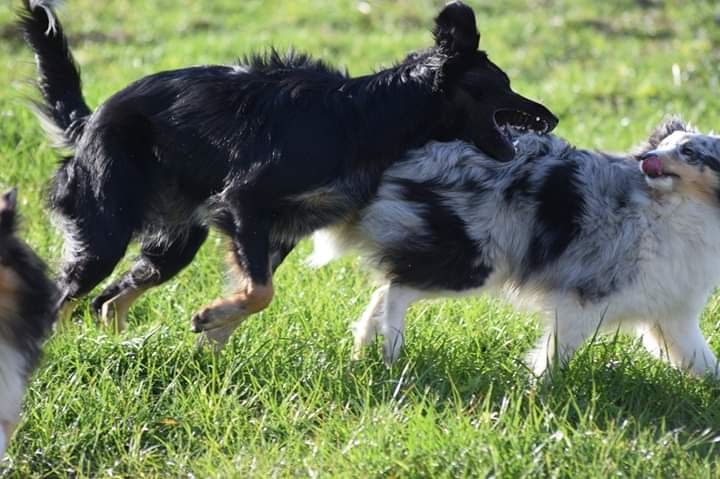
8,205
455,30
665,129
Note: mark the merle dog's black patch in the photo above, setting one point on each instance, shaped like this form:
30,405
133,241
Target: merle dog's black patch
559,211
438,257
280,145
518,186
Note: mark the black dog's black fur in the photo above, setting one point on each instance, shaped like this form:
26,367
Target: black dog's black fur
267,151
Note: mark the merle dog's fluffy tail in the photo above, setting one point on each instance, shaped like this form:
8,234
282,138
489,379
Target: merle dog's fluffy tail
63,111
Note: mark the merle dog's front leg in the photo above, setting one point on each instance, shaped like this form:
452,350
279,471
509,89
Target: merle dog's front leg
249,259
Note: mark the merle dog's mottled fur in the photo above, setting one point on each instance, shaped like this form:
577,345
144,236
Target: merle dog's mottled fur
27,311
596,242
267,151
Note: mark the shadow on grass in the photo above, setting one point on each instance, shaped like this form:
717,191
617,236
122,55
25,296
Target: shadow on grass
288,387
615,378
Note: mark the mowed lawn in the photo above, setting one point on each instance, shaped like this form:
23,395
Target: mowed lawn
284,399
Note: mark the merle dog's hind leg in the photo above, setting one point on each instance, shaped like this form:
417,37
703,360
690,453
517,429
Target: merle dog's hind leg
159,261
366,328
249,233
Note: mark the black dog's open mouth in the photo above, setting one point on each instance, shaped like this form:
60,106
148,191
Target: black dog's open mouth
521,121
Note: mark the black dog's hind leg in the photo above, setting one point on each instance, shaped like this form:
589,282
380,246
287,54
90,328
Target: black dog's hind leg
87,266
249,258
158,263
279,251
99,197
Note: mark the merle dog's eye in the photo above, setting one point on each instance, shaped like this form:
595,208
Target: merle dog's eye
685,150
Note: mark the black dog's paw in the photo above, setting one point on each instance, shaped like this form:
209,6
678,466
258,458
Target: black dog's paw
199,321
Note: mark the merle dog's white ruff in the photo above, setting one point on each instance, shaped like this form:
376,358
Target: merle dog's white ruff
597,243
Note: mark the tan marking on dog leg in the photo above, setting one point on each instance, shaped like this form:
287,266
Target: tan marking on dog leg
13,383
10,286
114,311
250,300
64,321
225,314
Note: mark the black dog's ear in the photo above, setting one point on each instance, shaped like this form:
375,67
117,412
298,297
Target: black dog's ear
666,128
8,205
455,30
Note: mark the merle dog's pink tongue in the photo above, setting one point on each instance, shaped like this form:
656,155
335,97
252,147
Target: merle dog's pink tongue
652,167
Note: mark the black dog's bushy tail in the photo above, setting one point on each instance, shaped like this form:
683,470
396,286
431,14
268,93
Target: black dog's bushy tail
63,112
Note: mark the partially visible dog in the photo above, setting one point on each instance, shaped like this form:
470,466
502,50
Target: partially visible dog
602,242
267,151
27,300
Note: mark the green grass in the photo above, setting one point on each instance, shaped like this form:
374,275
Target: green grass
284,399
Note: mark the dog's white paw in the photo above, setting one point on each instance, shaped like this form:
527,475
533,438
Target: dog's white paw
363,334
391,347
113,319
537,362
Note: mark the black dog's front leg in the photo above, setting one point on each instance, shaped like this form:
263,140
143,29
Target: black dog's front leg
249,260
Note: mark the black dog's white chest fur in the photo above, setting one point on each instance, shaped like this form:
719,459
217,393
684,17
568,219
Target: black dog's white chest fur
579,231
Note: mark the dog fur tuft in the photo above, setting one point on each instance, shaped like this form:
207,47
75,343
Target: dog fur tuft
63,112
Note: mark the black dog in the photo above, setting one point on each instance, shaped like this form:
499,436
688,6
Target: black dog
27,311
267,152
